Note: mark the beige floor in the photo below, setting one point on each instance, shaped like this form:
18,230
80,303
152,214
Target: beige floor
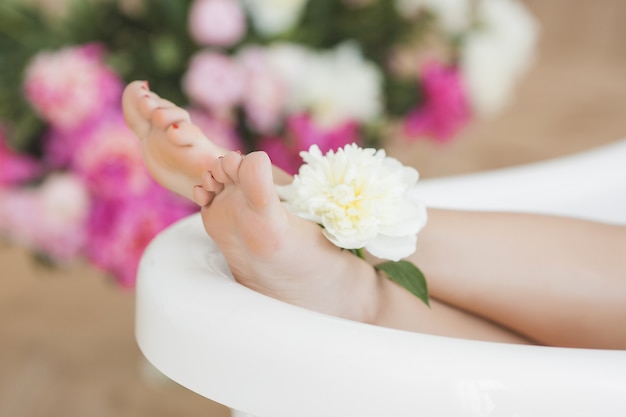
66,336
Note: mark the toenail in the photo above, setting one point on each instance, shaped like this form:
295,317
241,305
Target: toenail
238,151
175,126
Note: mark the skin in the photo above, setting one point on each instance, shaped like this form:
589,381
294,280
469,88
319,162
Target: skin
503,284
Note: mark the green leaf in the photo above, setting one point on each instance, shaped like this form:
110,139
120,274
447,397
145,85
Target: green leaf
408,276
358,252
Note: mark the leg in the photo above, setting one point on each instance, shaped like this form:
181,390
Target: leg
555,280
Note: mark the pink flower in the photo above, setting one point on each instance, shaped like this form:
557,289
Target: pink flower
49,219
214,81
445,108
64,203
111,161
303,133
71,86
15,168
217,22
121,230
218,131
265,97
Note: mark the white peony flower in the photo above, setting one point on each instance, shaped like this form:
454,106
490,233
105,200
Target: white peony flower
495,56
360,197
341,85
334,86
271,17
454,15
291,62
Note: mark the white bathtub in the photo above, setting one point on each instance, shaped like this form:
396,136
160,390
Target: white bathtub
270,359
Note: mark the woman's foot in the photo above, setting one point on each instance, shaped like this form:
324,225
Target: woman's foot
175,151
274,252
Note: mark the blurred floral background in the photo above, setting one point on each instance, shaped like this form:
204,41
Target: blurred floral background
271,75
449,87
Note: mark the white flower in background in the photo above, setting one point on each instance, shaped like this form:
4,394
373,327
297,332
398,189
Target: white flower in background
65,200
341,85
65,207
271,17
496,55
360,197
333,86
291,63
454,15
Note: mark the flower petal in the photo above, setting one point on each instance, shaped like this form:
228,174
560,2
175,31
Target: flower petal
344,243
410,220
393,248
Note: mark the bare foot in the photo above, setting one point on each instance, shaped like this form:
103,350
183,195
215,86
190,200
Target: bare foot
276,253
272,251
175,151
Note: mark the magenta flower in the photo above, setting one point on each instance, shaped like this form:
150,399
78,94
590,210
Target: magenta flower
214,81
303,133
445,109
217,22
120,230
72,86
111,162
15,168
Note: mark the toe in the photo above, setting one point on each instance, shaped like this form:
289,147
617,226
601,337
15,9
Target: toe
211,184
164,116
256,181
216,169
133,105
230,164
202,197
